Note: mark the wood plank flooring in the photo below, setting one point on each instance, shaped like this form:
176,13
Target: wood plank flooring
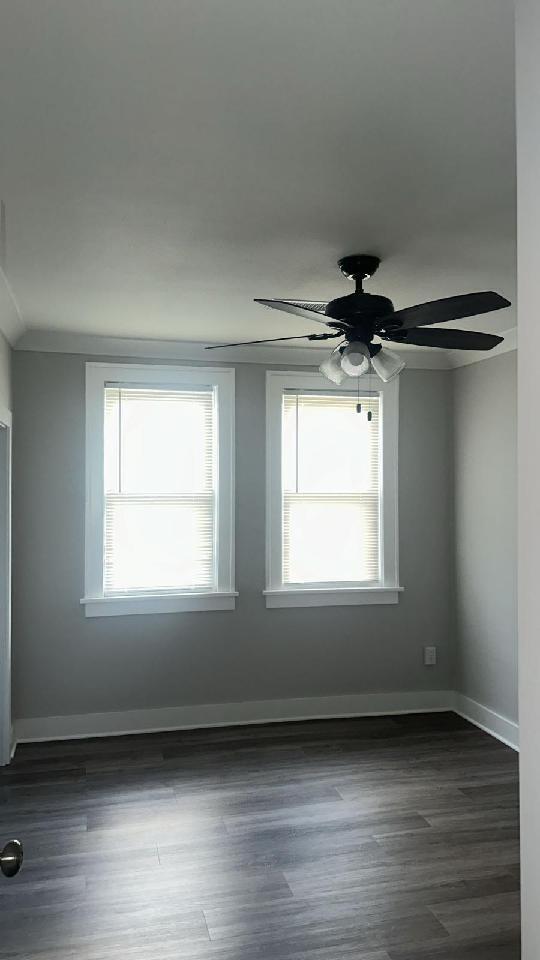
391,838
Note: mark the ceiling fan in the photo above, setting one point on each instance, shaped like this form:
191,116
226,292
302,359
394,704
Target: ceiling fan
359,317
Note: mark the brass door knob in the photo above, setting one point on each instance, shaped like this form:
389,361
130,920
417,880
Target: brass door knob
11,858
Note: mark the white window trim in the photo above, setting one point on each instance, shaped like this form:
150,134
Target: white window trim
387,589
96,604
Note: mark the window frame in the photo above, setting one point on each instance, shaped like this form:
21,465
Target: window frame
386,590
221,379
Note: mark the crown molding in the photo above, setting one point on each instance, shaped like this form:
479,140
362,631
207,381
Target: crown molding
53,341
11,322
462,358
50,341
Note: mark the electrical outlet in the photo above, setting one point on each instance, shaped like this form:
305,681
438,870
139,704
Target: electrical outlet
430,656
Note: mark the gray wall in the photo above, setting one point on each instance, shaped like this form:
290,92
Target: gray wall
485,463
66,664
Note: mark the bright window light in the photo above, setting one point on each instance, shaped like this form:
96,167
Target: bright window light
160,490
330,488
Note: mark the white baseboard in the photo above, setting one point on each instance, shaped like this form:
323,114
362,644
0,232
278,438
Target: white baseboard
35,729
489,720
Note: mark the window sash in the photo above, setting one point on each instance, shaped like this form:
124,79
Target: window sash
359,511
199,511
159,469
130,454
330,523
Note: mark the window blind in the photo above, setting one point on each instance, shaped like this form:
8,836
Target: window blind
330,488
160,490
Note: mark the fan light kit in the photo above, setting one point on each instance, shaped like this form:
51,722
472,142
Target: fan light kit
359,317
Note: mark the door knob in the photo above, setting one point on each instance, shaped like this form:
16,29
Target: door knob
11,858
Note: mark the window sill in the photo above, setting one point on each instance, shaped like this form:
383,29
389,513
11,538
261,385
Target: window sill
154,603
332,596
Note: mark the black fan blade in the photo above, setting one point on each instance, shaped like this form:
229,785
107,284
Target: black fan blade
309,309
449,339
439,311
248,343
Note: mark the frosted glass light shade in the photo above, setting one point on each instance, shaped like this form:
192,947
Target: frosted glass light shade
355,359
387,364
331,368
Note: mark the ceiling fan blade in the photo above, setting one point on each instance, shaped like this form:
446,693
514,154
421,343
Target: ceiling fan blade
309,309
439,311
319,306
449,339
248,343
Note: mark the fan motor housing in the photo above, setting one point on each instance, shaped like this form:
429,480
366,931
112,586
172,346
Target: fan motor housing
359,307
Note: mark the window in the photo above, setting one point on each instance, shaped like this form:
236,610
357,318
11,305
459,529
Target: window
331,491
159,489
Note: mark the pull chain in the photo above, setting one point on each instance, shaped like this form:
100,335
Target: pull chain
358,404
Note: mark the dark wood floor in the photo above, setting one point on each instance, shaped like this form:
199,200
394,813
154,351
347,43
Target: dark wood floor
393,838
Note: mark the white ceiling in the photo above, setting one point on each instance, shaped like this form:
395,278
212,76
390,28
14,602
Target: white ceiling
165,162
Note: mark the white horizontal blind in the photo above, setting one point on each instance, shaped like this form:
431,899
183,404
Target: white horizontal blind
330,482
160,490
